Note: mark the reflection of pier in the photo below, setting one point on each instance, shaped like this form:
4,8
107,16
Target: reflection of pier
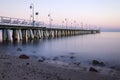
24,30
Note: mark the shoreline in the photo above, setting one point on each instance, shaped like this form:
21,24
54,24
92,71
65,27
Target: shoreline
16,68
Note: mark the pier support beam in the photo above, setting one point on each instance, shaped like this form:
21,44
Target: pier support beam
62,33
41,33
15,35
30,34
36,34
24,35
55,33
58,33
6,35
20,34
45,34
50,33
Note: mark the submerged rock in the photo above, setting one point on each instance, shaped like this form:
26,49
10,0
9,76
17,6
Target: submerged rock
23,56
19,49
27,63
95,62
42,59
77,63
62,56
93,69
72,57
72,53
102,64
113,67
55,58
34,52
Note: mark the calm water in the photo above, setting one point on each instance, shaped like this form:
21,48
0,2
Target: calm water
104,46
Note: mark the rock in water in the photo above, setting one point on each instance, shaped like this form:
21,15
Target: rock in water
23,56
72,57
93,69
27,63
112,67
95,62
102,64
19,49
42,59
55,58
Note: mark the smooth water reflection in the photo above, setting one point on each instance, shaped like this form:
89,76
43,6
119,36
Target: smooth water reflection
104,46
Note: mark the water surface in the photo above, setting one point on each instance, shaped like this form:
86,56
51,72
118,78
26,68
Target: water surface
104,46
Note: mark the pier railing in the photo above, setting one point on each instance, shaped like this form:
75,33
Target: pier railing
25,23
20,22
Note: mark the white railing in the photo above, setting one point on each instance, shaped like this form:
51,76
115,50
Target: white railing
24,22
20,22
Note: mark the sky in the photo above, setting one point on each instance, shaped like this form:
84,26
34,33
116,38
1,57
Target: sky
101,13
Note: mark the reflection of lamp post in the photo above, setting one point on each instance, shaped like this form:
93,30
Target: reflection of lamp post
32,7
66,22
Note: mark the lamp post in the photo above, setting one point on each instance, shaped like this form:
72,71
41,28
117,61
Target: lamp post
36,15
75,24
78,26
32,7
50,20
86,26
71,24
89,27
62,24
66,22
81,25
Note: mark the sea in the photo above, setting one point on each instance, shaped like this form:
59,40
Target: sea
104,46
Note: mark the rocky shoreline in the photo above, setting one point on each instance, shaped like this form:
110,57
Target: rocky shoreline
24,67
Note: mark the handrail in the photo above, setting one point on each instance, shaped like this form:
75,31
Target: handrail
25,22
16,21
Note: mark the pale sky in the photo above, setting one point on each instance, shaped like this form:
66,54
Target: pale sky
103,13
